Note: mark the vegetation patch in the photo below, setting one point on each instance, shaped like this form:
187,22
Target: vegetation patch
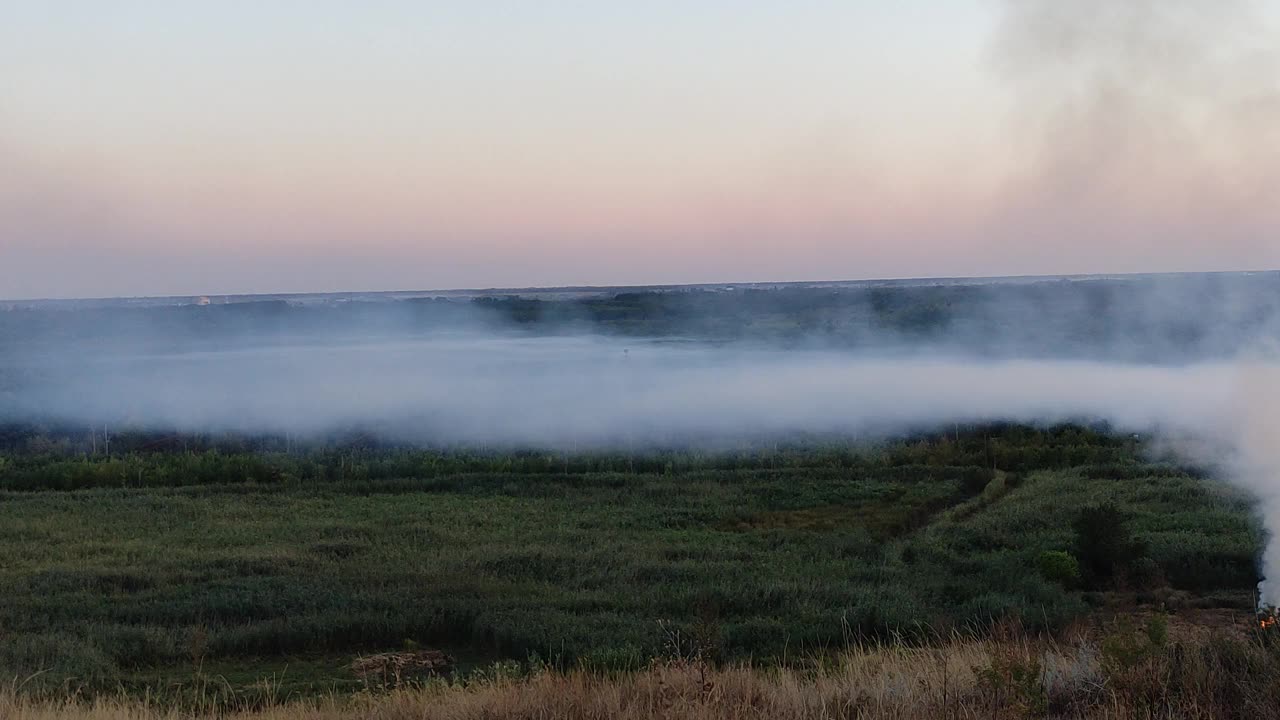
768,553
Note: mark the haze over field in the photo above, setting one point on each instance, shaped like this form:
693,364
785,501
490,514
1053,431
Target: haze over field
236,147
807,355
1187,360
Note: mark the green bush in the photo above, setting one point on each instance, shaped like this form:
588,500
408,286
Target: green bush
1060,567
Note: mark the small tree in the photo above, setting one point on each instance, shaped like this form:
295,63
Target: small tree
1104,542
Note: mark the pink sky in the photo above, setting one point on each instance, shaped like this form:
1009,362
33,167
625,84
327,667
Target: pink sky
197,148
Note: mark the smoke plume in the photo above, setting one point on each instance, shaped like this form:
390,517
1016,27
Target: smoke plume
1169,105
1153,124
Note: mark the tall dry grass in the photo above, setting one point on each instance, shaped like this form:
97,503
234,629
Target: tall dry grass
1125,676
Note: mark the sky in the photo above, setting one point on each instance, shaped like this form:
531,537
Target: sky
184,148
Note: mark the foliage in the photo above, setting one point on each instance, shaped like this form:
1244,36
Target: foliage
1059,567
1014,682
1104,542
759,552
1225,676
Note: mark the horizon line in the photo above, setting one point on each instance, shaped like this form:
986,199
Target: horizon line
483,291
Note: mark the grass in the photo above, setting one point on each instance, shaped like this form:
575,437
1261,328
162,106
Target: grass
1118,672
768,557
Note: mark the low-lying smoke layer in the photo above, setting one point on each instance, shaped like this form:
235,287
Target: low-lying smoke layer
555,391
499,388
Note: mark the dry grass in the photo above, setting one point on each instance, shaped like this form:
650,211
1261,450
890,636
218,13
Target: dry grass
1009,677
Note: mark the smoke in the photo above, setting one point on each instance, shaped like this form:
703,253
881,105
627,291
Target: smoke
1171,91
1152,124
505,390
1255,435
1156,124
1174,357
442,372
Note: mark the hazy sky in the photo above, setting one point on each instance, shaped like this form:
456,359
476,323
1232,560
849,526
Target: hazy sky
183,147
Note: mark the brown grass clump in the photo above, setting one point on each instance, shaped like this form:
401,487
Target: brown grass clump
393,670
1134,673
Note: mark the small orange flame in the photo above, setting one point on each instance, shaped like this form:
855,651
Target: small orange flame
1267,622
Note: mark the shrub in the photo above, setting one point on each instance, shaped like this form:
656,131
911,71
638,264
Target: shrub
1104,542
1145,574
1060,567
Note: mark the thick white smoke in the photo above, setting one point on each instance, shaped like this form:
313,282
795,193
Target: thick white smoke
505,390
1172,105
1254,434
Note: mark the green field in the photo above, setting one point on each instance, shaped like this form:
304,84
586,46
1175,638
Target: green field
306,560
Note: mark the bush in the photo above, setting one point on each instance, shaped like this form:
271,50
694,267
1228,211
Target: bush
1104,542
1060,567
1145,574
976,479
